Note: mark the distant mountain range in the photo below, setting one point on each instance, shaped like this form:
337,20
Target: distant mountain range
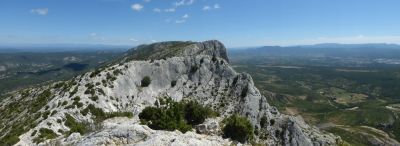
324,50
9,48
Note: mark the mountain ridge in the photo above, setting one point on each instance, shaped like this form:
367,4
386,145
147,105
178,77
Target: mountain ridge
201,72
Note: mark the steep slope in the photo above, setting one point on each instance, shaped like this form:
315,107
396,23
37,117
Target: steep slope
81,111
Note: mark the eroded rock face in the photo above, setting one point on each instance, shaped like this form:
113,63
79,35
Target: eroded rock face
201,72
209,127
123,131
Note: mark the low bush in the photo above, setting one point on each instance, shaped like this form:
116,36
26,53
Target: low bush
175,115
75,126
100,115
194,69
145,81
44,134
173,83
94,98
238,128
196,114
263,121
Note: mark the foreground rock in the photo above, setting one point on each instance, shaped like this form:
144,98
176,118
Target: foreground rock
180,70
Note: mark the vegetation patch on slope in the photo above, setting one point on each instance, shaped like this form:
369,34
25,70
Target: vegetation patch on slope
170,115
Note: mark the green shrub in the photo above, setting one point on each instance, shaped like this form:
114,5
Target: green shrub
46,114
94,73
238,128
34,133
70,106
64,103
94,98
214,58
101,91
272,122
263,121
73,91
194,69
44,134
117,72
195,113
174,115
76,99
40,101
76,102
75,126
244,92
173,83
145,81
53,113
100,115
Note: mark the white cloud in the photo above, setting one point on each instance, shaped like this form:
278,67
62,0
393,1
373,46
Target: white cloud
40,11
183,2
153,41
205,8
133,40
170,10
157,10
137,7
183,19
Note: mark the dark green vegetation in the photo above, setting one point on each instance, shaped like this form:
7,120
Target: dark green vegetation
44,134
23,69
12,130
238,128
157,51
145,81
171,115
75,126
100,115
352,91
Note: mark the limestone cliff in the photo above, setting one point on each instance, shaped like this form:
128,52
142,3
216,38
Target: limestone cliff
200,71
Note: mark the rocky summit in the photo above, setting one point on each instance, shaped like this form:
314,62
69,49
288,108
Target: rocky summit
102,107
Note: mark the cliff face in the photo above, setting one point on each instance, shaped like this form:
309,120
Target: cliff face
200,71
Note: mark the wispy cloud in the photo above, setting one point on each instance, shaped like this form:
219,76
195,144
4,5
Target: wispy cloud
182,19
95,36
137,7
205,8
175,6
40,11
133,39
169,10
215,6
183,2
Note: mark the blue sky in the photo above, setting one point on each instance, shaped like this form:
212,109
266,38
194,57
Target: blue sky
237,23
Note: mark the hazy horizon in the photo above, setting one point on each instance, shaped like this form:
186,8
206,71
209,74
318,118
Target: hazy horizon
236,23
